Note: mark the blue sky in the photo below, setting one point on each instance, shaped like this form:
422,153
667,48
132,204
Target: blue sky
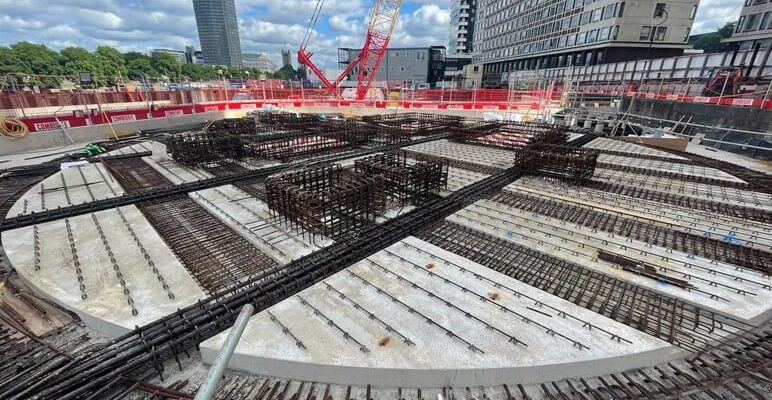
265,26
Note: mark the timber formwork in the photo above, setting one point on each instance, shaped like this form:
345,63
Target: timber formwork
405,182
326,200
575,165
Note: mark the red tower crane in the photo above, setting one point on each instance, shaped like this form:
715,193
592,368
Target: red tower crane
379,29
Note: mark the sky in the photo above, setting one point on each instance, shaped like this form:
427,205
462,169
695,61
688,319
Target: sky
265,26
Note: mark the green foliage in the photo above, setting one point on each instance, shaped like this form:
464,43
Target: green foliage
112,63
141,68
711,42
165,64
286,72
110,67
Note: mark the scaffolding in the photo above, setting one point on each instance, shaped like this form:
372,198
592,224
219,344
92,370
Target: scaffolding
327,200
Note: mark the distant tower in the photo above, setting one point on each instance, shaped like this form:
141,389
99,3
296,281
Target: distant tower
286,58
218,32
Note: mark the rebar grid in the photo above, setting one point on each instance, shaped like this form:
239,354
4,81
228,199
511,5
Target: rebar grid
576,165
510,135
326,200
735,210
134,174
233,126
216,256
404,182
293,141
650,233
205,148
413,124
664,317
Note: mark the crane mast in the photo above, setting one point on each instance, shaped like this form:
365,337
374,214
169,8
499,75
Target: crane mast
383,17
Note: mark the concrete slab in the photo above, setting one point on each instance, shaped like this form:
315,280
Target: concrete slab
251,218
693,189
72,264
739,294
176,173
700,222
140,147
737,159
72,186
414,315
36,157
482,155
627,147
665,166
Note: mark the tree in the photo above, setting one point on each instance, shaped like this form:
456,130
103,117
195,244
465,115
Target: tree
77,59
711,42
140,68
166,64
112,63
37,59
285,73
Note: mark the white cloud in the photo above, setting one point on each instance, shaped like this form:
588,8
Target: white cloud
713,14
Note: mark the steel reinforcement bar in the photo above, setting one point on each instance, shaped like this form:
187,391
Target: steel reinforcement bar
648,232
684,201
157,193
673,320
165,338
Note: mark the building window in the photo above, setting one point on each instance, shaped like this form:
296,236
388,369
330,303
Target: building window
645,33
661,33
693,13
659,10
750,24
621,9
596,14
740,23
747,3
686,34
764,21
608,12
604,33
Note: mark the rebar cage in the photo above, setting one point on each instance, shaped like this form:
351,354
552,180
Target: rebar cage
326,200
571,163
510,135
404,181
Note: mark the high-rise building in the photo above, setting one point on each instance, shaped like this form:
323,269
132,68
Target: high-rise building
462,20
754,26
218,32
513,35
259,61
286,58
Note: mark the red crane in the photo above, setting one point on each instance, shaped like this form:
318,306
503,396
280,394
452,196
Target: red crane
379,29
